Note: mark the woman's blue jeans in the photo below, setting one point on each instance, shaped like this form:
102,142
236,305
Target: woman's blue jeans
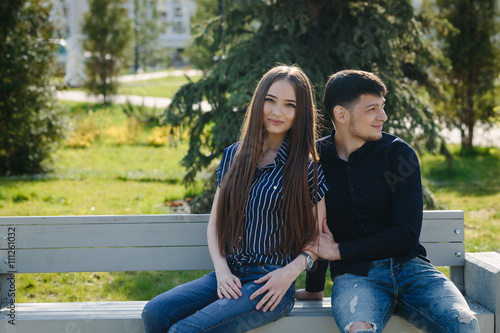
414,290
195,306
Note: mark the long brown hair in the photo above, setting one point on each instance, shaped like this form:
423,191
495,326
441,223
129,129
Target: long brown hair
298,219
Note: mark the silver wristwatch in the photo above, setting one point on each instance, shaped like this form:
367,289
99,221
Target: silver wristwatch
309,261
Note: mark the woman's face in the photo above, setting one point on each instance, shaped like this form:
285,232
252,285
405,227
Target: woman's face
279,108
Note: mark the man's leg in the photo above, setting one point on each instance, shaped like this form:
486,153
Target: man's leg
364,303
430,301
315,282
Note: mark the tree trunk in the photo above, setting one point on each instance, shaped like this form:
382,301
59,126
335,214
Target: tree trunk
469,117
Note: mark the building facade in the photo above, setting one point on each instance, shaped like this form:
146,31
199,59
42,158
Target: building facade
68,16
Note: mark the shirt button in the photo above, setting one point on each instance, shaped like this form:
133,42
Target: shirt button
351,189
348,168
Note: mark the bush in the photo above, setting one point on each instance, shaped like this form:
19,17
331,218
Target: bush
31,121
87,130
127,133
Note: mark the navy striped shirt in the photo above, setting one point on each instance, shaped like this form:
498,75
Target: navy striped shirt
263,229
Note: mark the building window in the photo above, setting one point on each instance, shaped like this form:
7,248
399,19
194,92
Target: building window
179,28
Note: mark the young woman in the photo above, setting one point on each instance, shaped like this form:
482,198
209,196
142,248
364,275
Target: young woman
268,206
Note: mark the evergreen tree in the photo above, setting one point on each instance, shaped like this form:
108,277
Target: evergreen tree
108,31
206,29
147,29
31,122
473,50
321,36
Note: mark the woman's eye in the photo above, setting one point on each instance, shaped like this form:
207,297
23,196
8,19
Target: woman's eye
269,100
291,105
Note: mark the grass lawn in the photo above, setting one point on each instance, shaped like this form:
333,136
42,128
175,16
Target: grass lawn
137,178
471,185
162,87
103,180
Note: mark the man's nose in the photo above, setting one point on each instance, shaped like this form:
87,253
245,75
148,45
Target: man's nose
382,115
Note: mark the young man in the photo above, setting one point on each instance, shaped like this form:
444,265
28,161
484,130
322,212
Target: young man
374,210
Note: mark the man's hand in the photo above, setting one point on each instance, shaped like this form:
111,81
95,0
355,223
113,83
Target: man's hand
324,245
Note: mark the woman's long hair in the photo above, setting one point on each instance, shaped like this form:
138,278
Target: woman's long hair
298,219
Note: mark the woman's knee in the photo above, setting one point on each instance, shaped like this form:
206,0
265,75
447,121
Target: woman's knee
155,317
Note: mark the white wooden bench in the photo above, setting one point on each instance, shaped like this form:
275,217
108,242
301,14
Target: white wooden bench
178,242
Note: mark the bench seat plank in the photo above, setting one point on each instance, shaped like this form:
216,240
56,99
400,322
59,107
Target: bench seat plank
111,317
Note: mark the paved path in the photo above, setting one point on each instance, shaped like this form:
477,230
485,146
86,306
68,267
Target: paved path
158,102
157,75
82,96
483,136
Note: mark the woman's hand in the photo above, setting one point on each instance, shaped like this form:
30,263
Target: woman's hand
278,282
228,285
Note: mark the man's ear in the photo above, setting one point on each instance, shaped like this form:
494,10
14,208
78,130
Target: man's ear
339,113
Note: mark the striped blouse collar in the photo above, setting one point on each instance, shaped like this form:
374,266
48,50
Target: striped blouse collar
282,154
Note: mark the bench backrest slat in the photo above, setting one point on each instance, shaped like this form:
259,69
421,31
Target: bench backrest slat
160,242
113,259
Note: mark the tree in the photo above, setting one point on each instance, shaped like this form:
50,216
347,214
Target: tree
475,62
147,29
206,27
322,36
31,122
108,33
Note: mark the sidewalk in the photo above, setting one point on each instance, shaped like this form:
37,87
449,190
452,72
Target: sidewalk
483,136
157,75
82,96
158,102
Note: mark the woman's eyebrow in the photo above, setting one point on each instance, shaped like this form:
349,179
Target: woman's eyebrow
288,100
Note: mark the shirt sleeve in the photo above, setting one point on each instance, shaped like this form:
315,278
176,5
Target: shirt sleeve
226,161
404,181
323,187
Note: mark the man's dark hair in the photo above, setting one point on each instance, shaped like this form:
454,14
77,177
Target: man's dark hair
344,88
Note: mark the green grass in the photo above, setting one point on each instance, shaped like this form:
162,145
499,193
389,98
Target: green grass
163,87
90,178
471,185
108,178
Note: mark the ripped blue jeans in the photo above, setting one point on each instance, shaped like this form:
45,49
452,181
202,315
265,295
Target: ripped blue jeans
414,290
195,306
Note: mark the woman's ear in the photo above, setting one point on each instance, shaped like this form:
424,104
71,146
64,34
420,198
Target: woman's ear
339,113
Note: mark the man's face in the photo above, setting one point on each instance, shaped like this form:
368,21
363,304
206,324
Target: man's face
366,118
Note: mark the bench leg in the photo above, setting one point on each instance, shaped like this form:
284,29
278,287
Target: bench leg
457,276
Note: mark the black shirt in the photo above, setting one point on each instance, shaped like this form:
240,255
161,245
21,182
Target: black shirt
374,205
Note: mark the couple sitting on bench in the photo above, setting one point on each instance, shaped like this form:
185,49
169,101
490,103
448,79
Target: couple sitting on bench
267,225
